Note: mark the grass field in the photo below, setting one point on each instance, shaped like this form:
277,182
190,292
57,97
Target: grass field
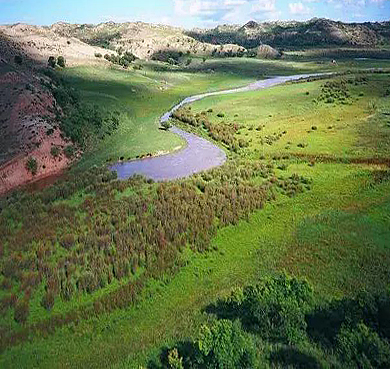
336,234
143,96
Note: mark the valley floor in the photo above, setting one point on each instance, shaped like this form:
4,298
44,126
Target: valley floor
331,227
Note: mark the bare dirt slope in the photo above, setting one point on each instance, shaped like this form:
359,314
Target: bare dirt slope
41,42
141,39
27,121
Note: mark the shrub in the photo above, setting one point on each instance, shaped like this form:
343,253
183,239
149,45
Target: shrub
174,360
103,39
51,61
32,165
61,61
372,105
69,151
167,56
123,60
166,125
172,61
55,151
18,59
363,347
21,310
48,300
67,241
83,121
98,55
220,115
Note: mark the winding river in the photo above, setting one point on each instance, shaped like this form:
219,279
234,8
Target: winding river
199,154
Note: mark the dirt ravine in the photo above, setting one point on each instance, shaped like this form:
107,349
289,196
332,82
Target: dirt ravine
14,173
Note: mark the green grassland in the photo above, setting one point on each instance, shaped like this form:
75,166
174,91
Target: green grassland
335,233
143,96
344,129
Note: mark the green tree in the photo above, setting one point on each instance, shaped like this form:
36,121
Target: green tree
32,165
61,61
51,61
363,347
276,308
55,151
174,360
223,345
18,59
166,125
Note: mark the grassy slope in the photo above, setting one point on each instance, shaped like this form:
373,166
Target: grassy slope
143,96
342,130
328,231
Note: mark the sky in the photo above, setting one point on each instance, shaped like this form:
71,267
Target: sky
189,13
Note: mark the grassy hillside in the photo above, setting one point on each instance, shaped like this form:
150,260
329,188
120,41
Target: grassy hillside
143,96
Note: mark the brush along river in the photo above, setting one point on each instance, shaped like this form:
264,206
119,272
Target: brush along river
199,154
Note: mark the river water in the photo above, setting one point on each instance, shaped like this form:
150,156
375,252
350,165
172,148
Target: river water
199,154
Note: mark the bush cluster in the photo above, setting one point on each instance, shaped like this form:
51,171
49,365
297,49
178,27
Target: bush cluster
109,236
53,61
334,92
124,60
32,165
224,133
290,321
102,39
168,56
80,121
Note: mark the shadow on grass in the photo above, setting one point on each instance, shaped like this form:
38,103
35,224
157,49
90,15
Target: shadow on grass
291,357
325,322
185,349
241,67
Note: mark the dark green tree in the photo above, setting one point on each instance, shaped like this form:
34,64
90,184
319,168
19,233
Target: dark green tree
61,61
18,59
223,345
51,61
32,165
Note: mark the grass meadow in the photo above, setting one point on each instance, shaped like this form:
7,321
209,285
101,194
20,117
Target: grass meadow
335,233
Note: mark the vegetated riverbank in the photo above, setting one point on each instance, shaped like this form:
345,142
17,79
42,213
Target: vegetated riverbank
328,231
140,95
199,154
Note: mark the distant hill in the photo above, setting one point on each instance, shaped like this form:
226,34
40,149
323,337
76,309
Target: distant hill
82,41
313,33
